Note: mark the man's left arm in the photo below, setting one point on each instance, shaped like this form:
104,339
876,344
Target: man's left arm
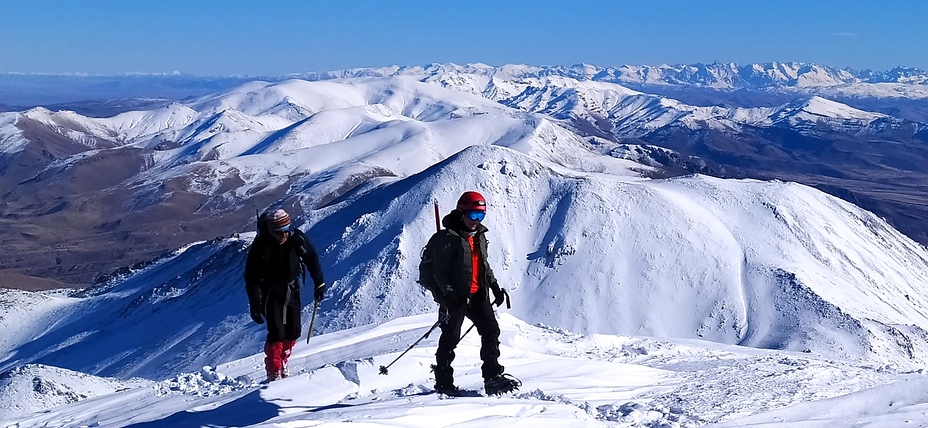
311,260
499,294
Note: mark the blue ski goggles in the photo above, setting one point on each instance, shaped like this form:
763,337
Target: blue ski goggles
281,230
475,215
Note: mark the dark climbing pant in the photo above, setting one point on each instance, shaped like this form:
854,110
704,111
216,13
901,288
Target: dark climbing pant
481,314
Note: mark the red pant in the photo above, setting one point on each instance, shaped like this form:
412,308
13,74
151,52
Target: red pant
277,355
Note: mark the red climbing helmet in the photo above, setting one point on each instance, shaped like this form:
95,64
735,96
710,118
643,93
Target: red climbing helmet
472,201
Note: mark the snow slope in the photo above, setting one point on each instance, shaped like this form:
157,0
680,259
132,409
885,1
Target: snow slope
569,381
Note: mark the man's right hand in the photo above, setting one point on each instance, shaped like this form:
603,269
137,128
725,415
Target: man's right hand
257,316
452,301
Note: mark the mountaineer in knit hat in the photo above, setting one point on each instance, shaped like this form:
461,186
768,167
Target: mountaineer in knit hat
273,271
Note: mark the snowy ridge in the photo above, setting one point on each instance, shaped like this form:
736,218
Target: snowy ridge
136,125
263,117
228,147
783,76
818,109
34,387
345,130
571,381
633,114
719,75
555,91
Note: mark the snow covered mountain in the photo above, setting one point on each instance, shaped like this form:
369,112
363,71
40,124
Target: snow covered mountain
761,264
313,141
774,75
493,81
187,168
692,280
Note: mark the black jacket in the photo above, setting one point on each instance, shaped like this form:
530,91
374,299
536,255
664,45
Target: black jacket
271,265
451,257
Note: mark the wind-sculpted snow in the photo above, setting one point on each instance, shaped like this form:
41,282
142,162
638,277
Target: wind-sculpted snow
35,387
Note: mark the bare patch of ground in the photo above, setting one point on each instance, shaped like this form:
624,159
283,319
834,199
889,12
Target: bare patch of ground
24,282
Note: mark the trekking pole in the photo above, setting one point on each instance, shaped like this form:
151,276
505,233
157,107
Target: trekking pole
312,321
383,369
465,333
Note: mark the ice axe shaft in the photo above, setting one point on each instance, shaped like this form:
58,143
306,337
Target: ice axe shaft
312,321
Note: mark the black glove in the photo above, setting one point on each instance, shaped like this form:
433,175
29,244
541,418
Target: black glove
320,292
499,295
257,316
437,296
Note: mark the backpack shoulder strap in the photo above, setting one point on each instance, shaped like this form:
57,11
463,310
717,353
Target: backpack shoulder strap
300,247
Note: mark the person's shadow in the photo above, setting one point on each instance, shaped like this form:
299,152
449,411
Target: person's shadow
249,409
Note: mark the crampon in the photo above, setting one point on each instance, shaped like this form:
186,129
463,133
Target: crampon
502,383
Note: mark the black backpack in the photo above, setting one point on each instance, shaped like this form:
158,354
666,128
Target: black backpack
426,272
262,223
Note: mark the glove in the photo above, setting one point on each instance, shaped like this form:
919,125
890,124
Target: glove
257,316
320,292
437,296
499,295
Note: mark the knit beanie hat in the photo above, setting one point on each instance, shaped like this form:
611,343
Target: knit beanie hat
278,221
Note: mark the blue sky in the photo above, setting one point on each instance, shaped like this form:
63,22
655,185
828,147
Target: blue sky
278,37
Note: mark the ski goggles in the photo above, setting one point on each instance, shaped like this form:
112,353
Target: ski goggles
475,215
284,229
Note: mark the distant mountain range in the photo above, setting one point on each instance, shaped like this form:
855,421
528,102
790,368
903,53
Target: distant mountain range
184,168
24,90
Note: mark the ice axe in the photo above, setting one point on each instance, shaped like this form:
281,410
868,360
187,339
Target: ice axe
312,321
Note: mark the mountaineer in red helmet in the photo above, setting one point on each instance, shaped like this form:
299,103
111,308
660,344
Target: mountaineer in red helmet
273,271
463,281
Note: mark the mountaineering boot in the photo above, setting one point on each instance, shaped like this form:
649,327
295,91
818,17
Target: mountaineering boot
444,379
501,384
272,376
449,390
